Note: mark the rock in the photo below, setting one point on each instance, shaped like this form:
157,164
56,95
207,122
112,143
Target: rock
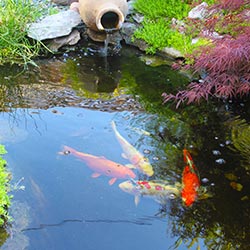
199,12
172,52
54,26
61,2
138,17
71,39
127,32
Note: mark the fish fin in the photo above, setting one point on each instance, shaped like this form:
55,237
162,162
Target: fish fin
112,181
130,166
113,125
95,175
137,200
124,156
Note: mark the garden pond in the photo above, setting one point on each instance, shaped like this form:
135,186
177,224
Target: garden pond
71,100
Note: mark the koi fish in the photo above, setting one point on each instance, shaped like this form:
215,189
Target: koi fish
190,180
101,166
158,190
135,157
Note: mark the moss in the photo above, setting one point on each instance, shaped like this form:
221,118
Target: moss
161,8
4,179
156,30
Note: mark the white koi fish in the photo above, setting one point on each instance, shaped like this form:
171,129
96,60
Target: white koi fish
160,191
134,156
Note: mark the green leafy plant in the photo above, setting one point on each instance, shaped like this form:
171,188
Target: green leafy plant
15,46
4,197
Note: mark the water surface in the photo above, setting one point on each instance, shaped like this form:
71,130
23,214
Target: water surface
71,100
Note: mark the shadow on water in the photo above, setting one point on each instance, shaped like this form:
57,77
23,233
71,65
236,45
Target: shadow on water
71,100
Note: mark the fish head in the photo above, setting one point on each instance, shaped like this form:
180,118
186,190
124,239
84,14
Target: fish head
188,198
146,167
129,187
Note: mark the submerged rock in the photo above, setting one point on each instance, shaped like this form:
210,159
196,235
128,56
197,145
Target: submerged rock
54,26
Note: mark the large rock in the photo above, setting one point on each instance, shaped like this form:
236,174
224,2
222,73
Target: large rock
54,26
199,12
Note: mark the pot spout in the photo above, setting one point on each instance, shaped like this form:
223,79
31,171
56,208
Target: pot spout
109,20
103,15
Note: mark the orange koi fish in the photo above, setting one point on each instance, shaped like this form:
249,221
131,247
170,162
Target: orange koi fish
135,157
190,180
160,191
102,166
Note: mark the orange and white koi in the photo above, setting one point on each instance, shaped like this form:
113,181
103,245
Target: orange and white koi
133,155
101,166
190,180
160,191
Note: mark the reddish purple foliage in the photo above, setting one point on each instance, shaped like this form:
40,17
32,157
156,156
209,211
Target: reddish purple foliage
232,4
227,67
226,62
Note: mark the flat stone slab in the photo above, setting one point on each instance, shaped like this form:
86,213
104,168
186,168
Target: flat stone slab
54,26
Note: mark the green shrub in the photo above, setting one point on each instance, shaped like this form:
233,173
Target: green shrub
4,198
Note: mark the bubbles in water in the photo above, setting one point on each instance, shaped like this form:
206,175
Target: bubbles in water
220,161
146,151
205,180
155,158
216,152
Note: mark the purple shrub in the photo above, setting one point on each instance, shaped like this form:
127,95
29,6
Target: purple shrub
225,64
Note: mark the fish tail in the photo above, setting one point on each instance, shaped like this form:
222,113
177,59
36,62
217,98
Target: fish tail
188,159
114,127
117,134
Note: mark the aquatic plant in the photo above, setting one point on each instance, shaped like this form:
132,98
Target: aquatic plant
4,197
240,135
15,46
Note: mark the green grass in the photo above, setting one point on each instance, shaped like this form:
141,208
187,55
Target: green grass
15,46
4,197
156,28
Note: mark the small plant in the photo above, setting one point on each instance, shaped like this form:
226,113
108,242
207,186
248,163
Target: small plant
4,198
15,46
157,31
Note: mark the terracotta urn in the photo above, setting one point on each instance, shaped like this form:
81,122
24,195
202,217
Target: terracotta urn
103,15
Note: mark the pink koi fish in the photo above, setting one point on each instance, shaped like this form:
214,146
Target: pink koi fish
101,166
134,156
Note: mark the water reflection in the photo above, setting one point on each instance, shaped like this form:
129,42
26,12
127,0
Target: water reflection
65,202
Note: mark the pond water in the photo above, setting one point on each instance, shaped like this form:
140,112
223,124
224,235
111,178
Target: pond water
71,100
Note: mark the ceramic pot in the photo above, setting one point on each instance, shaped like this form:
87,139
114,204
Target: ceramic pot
103,15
